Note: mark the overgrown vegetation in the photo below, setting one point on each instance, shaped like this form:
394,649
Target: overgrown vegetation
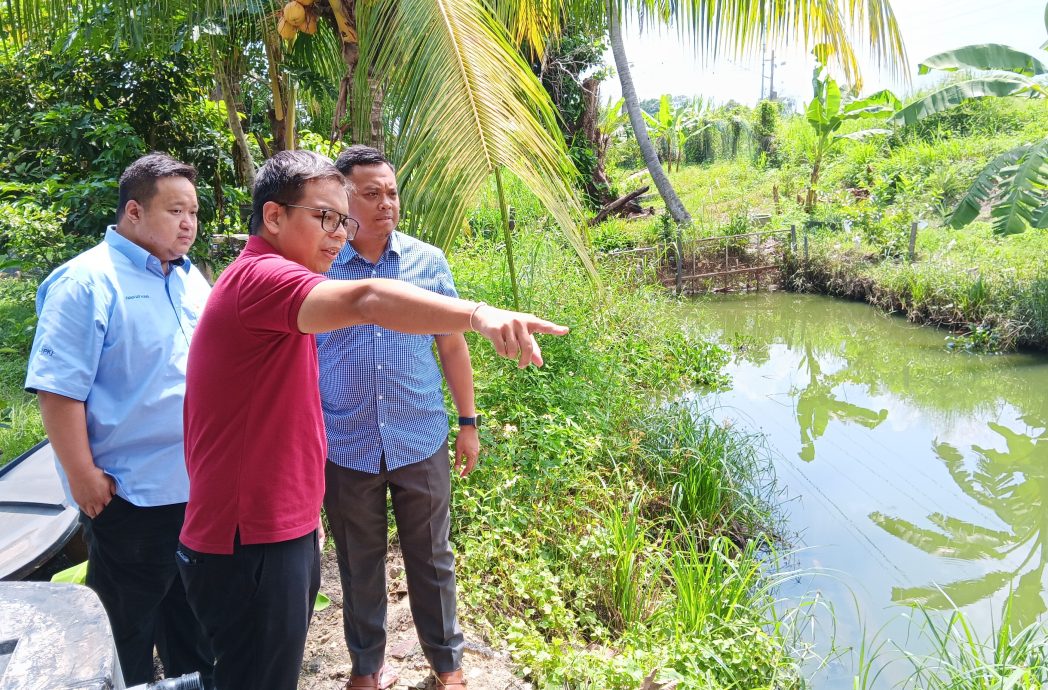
608,534
989,289
20,425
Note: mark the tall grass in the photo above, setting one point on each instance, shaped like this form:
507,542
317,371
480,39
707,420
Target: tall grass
715,583
1005,659
636,566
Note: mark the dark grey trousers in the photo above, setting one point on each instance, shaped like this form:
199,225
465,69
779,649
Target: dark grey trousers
356,510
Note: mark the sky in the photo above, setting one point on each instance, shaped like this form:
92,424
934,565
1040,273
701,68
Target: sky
661,63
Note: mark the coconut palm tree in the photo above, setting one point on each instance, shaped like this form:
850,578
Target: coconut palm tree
462,103
674,206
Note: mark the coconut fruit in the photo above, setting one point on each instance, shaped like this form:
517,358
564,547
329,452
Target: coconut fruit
305,3
286,31
310,27
294,14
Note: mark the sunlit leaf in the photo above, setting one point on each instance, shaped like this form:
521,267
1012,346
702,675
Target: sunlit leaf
985,56
954,94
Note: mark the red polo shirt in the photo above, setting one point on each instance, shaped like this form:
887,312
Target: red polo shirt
254,430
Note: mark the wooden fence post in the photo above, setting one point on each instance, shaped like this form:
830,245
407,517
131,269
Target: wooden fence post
805,244
793,238
913,240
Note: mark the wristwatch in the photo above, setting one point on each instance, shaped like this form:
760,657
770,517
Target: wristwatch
470,421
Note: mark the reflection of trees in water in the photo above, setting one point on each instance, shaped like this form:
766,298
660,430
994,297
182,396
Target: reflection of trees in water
816,405
911,365
880,352
1012,484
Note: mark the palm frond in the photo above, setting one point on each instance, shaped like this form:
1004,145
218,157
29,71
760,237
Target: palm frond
1024,186
463,103
740,26
132,25
984,189
531,23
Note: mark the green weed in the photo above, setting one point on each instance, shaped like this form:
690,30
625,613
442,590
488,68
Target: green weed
1006,659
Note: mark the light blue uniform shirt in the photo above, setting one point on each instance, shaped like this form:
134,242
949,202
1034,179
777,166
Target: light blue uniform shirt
114,332
381,389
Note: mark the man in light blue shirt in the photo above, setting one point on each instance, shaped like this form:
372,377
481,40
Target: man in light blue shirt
108,367
388,430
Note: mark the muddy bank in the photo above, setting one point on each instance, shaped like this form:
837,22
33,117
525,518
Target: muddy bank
326,664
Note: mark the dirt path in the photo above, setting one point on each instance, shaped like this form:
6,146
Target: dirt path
326,664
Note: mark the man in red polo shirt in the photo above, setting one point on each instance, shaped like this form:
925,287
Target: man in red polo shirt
254,434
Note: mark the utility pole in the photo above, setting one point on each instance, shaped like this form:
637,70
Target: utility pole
771,78
771,95
764,53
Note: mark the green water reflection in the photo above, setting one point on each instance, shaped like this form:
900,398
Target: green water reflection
917,475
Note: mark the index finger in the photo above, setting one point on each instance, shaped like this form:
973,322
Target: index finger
542,326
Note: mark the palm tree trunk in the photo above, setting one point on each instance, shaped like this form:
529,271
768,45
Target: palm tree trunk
281,121
629,94
378,125
229,87
344,12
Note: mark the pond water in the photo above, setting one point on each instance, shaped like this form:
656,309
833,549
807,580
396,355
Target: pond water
909,473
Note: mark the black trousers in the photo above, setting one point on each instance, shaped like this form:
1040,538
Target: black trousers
356,510
131,566
255,605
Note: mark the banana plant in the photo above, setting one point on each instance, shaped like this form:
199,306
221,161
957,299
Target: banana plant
829,110
1013,184
667,129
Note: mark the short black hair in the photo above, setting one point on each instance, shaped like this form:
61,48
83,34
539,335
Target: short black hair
138,181
284,177
358,154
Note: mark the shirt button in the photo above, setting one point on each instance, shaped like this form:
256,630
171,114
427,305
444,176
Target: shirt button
381,397
374,273
378,366
378,334
382,424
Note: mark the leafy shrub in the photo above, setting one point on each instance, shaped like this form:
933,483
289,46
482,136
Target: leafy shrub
33,239
765,127
625,154
71,121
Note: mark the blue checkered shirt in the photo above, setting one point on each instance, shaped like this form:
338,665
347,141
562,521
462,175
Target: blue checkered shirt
381,390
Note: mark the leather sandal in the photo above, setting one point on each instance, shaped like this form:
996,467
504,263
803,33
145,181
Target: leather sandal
382,679
452,679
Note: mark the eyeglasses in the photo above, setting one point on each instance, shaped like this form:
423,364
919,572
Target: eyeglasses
331,220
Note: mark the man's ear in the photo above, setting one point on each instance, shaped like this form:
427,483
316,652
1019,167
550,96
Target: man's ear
133,210
271,213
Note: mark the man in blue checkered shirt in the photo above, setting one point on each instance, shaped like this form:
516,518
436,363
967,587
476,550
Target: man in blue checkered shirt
387,428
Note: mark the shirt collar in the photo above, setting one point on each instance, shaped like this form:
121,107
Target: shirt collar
348,252
256,244
138,256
